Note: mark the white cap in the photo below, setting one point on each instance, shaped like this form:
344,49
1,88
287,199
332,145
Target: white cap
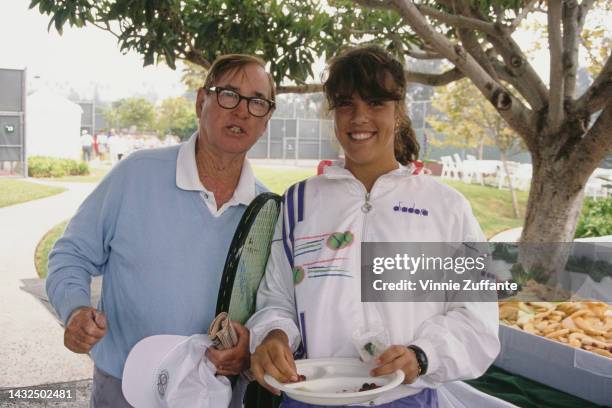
169,371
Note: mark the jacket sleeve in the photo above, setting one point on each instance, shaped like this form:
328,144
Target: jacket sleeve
276,296
84,248
463,342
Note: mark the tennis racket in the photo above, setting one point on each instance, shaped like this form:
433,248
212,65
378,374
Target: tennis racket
247,257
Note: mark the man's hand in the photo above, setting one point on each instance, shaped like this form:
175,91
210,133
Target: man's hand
85,327
274,357
397,358
235,360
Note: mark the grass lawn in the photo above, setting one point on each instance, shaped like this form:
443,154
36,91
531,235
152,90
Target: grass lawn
15,191
278,179
41,255
492,207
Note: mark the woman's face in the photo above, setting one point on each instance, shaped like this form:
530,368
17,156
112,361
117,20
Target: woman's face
366,130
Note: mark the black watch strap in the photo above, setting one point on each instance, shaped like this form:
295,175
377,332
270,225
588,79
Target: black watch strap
421,358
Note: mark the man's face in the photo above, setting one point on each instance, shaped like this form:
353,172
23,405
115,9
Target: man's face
233,131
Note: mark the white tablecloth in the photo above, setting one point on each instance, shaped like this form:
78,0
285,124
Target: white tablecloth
461,395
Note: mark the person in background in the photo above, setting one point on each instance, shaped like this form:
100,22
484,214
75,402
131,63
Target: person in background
102,141
158,228
86,145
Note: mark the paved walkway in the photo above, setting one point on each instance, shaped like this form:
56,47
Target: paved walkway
514,234
31,341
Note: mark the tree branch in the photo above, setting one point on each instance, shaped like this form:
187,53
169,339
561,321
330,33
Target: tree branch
106,28
458,21
600,91
299,89
397,42
197,58
585,7
596,144
511,109
571,22
522,87
471,44
529,8
423,55
442,79
376,4
555,105
519,67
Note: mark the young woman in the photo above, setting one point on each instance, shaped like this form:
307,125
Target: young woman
311,297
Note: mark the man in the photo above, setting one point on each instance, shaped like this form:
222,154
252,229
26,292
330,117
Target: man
102,142
158,228
86,145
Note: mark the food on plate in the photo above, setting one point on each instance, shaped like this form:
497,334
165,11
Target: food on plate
364,387
368,387
580,324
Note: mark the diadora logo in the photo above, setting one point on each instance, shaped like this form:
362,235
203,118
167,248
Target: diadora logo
411,210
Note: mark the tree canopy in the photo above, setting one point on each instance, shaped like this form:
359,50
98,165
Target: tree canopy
137,112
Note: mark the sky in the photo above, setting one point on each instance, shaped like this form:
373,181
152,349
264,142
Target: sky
83,58
78,59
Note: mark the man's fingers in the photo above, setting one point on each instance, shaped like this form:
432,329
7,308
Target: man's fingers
99,319
241,331
85,327
82,337
93,330
75,345
222,357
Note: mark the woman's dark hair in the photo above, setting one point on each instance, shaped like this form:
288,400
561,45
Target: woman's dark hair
366,70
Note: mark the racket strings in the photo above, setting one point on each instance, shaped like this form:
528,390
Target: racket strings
251,261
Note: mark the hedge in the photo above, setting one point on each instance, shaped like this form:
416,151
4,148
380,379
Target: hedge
42,166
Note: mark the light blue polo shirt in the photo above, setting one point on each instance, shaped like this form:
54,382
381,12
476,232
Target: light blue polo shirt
155,234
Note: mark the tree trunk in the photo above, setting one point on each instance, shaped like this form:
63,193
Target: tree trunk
481,149
515,208
555,201
554,205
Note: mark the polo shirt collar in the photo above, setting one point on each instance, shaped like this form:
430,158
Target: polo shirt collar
187,177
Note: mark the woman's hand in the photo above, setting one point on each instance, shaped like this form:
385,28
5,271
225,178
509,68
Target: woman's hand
274,357
397,358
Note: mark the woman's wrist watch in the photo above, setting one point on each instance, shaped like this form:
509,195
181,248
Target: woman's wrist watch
421,358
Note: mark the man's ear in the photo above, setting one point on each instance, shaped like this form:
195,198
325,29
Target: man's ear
268,120
200,101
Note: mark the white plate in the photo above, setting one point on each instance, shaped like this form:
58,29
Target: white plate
335,381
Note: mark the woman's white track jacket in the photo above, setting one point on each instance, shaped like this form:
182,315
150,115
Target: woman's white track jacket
312,286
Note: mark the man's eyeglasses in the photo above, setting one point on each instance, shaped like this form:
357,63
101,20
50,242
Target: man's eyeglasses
228,99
